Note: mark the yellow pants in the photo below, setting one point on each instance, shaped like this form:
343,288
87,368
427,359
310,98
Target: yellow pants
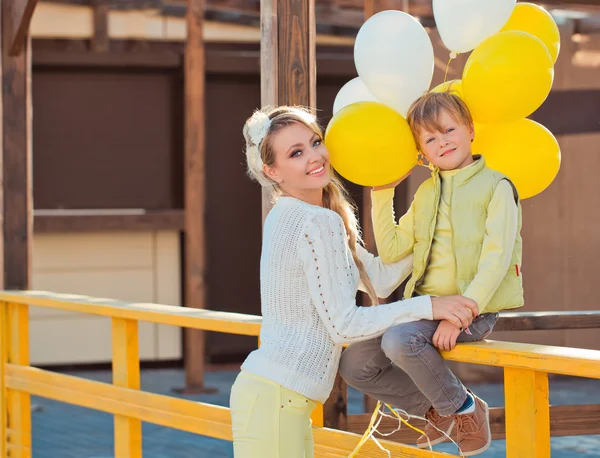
269,421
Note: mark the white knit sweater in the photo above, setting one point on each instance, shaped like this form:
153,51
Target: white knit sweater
309,283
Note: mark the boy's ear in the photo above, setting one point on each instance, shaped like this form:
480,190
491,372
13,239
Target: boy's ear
472,132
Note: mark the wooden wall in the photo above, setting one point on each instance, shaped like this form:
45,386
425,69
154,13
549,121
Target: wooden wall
130,266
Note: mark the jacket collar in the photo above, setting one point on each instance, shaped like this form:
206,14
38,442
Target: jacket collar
465,175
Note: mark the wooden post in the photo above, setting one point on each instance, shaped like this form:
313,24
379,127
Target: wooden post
18,403
126,374
195,197
100,40
16,134
21,17
527,413
3,360
288,74
371,8
289,77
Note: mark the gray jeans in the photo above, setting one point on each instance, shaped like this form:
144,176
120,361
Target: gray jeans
403,368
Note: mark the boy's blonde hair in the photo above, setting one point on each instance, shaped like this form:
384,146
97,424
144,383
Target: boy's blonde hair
425,111
335,196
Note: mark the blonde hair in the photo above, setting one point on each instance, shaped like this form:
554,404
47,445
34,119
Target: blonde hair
259,131
425,111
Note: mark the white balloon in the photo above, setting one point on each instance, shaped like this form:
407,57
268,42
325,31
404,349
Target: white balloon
394,58
353,91
463,24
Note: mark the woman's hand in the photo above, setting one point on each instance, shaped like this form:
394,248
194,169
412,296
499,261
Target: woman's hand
459,310
392,185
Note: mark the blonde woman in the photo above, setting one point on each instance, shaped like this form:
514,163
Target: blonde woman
312,265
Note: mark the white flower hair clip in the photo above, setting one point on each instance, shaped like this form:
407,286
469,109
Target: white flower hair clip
258,127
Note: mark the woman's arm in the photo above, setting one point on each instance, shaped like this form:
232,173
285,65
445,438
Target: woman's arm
332,286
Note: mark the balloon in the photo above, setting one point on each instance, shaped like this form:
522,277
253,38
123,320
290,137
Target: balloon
452,86
525,151
353,91
463,24
370,144
535,20
394,58
507,77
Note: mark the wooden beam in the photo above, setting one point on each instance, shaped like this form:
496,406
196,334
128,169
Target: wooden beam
567,3
269,71
195,196
59,222
16,125
2,230
289,77
288,58
100,40
531,321
568,112
296,57
371,7
332,62
335,410
22,14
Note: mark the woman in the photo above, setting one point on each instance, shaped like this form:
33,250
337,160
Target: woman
312,265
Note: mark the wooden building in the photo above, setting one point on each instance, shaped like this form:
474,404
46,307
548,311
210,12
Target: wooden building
108,165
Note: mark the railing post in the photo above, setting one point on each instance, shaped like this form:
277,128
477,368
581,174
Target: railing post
126,373
527,413
3,361
18,404
335,410
317,416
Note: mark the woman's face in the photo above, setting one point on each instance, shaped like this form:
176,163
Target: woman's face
301,166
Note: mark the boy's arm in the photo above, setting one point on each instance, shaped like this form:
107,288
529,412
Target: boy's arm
498,244
385,278
394,241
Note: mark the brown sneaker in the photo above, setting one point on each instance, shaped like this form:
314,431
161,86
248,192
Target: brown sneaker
434,427
473,429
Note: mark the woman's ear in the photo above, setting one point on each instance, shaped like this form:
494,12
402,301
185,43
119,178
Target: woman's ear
272,173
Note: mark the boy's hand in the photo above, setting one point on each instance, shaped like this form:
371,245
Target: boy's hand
392,185
445,336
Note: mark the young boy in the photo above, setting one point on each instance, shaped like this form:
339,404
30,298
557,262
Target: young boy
463,228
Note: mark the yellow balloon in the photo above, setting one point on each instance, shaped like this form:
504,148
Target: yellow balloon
370,144
507,77
523,150
452,86
535,20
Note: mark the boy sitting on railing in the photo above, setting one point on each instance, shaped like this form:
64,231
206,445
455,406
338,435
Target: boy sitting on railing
463,228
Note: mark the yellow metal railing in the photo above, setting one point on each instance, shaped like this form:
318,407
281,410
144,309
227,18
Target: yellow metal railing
526,381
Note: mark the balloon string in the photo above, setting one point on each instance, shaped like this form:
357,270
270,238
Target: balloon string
447,67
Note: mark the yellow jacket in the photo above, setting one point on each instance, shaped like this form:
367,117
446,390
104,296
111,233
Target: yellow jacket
464,230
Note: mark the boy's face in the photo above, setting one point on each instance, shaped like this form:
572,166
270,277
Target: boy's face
449,149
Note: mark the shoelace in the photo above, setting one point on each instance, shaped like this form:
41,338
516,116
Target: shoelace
466,423
433,416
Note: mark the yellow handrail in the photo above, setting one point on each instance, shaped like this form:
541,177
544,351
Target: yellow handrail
526,380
